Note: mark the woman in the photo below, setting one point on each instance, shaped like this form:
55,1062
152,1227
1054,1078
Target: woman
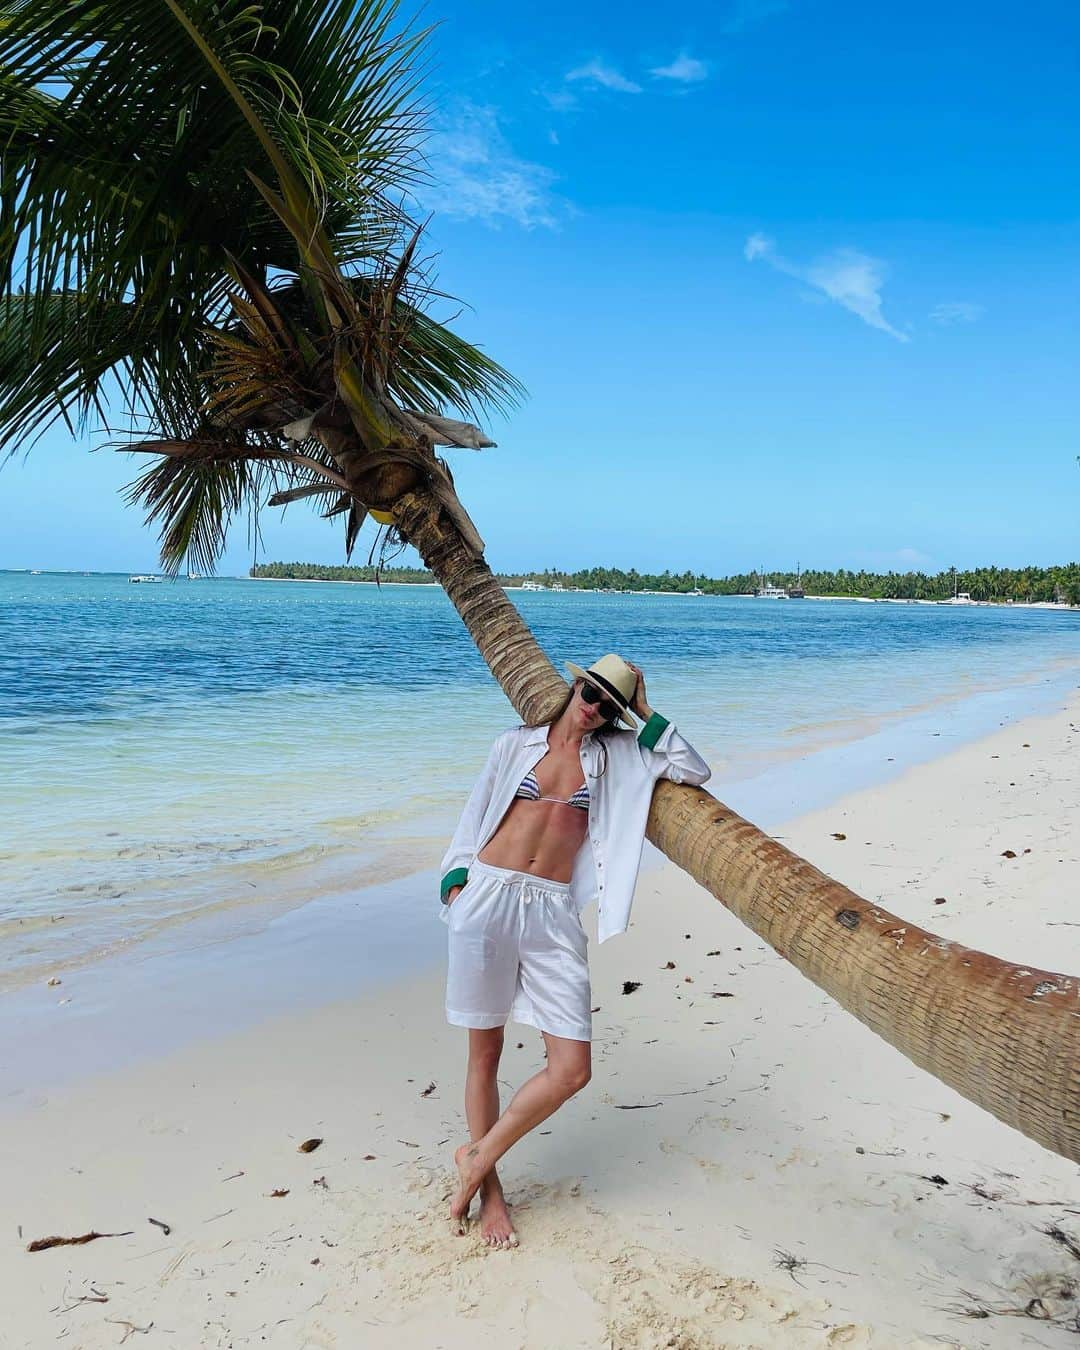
556,819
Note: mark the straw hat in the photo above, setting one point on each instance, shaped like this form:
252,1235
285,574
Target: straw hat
615,678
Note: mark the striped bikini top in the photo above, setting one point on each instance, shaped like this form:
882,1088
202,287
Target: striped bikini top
530,791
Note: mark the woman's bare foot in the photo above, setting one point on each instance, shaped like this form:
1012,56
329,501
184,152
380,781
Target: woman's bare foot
470,1175
495,1227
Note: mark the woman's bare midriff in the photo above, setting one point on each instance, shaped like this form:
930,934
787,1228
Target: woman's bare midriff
542,838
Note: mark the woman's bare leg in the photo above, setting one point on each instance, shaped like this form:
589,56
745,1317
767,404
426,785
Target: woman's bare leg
481,1112
569,1068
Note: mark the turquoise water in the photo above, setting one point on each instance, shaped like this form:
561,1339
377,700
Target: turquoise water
172,751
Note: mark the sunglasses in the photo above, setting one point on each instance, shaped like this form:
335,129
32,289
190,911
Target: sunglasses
592,696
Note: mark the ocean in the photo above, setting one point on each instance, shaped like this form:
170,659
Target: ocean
227,750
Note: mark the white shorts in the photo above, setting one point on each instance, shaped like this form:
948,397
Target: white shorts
517,949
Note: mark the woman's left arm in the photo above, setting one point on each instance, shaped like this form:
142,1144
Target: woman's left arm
664,753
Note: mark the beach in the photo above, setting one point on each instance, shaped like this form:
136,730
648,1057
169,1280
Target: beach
540,361
748,1167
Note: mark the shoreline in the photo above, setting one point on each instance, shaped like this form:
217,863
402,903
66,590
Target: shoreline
331,581
743,1170
242,951
173,883
570,590
733,595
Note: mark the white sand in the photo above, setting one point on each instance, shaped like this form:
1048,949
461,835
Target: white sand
771,1123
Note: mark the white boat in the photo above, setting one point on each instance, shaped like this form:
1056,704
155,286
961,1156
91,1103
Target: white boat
532,586
141,576
696,591
959,597
767,591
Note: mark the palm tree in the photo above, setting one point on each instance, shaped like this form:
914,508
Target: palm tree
200,217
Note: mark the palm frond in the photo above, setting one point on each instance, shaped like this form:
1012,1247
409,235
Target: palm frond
297,494
200,209
193,501
429,368
56,358
356,517
143,207
436,369
199,484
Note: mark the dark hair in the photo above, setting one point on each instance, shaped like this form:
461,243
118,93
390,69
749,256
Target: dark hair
605,729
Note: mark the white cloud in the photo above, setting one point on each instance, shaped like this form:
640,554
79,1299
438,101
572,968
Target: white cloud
476,175
684,69
956,311
598,72
852,279
756,246
559,100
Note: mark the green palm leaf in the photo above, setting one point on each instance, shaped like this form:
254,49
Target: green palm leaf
56,356
194,501
135,139
199,485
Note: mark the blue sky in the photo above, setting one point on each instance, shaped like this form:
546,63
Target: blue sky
786,282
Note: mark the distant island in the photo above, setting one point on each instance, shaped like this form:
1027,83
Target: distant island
1022,585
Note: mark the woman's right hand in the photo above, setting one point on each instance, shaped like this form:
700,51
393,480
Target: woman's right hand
453,893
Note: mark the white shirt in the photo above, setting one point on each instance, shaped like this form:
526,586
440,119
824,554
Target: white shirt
606,866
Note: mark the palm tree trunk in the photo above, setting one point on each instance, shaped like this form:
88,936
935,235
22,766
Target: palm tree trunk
504,640
1004,1036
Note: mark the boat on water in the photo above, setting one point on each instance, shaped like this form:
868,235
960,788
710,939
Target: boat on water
144,576
696,591
796,592
532,586
767,591
958,597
